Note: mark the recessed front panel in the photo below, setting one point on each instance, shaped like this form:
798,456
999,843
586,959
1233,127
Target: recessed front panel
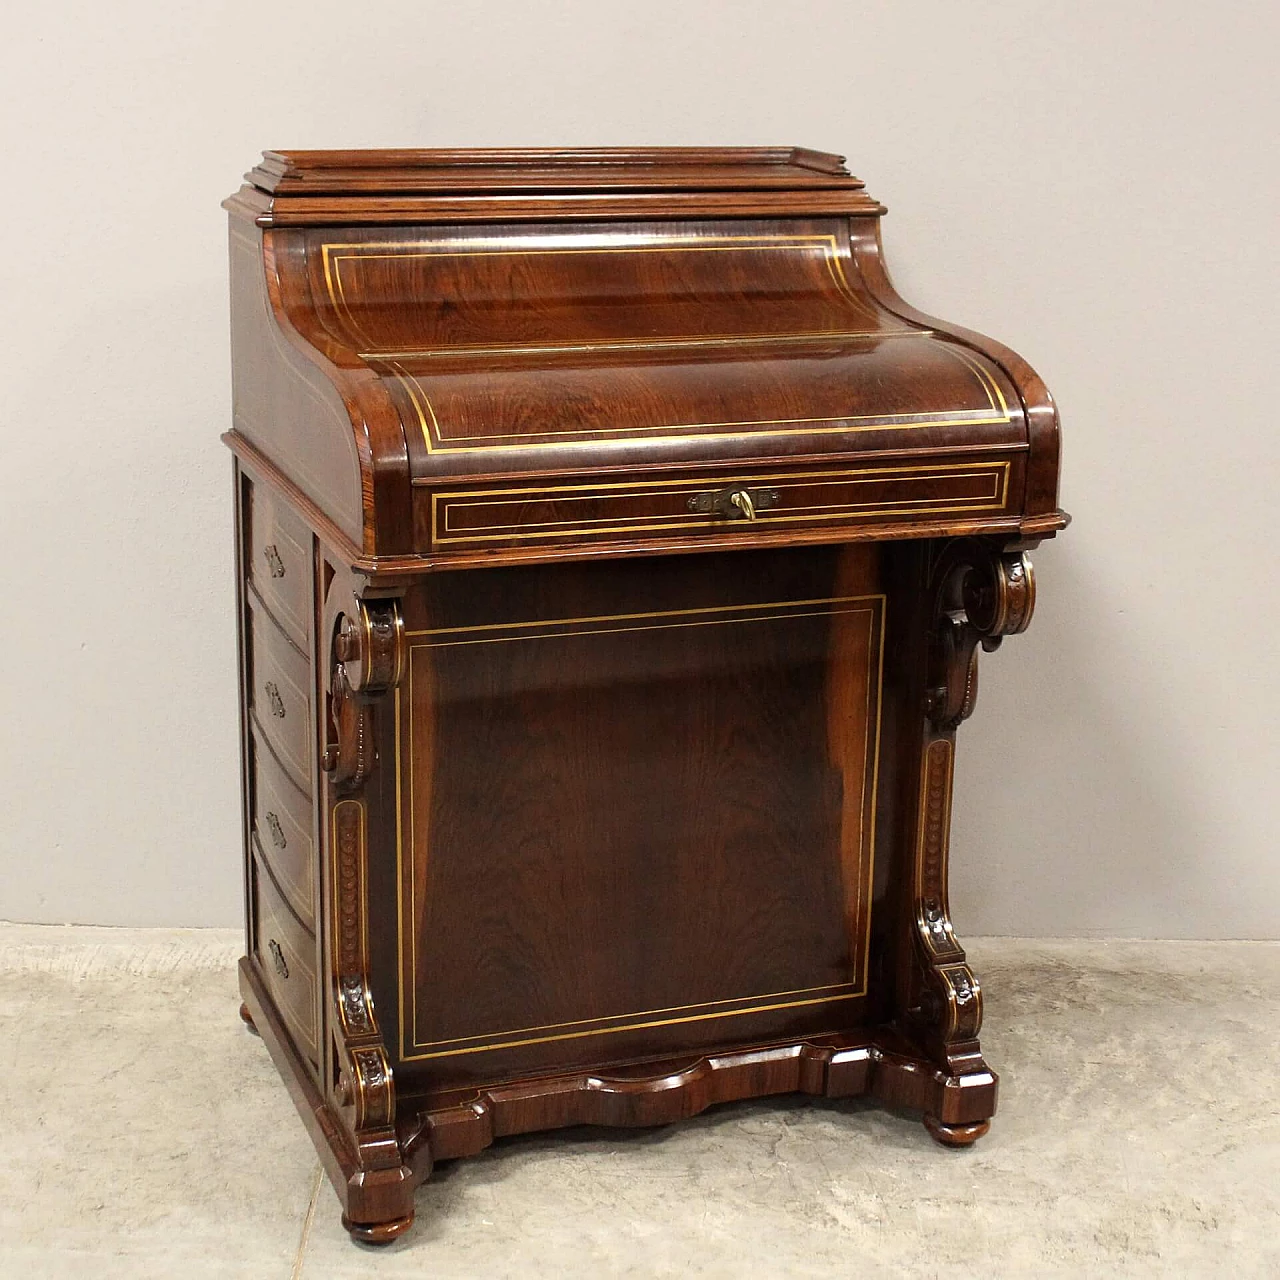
626,829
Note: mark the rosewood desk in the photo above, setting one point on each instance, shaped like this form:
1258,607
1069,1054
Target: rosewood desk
614,550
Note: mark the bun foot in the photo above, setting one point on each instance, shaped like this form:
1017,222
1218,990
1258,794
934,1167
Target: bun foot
955,1135
377,1232
247,1018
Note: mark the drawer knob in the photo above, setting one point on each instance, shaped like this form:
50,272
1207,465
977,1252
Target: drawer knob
735,504
277,958
277,831
272,690
274,563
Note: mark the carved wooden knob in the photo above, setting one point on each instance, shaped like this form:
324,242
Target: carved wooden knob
344,1090
346,644
369,646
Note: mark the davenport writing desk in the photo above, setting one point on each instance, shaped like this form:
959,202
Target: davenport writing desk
614,551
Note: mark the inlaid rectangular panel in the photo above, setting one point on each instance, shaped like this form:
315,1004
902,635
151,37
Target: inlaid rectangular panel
630,830
506,515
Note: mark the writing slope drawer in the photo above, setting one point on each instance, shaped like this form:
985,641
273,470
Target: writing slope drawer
279,563
282,824
280,678
723,504
286,955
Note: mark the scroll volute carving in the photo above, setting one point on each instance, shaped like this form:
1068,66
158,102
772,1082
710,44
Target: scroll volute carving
983,595
368,660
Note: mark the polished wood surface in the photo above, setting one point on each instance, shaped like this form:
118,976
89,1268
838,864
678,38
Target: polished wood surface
596,752
475,362
615,549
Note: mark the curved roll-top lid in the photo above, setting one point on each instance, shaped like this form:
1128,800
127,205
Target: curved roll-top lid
530,348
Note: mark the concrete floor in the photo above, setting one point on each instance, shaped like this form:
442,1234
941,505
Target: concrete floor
146,1134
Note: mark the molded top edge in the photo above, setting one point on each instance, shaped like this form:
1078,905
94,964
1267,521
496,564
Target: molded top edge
438,171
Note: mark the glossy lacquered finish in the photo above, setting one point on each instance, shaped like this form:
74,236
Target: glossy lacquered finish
615,547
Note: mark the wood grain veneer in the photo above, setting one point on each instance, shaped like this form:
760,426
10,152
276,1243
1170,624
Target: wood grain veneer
615,547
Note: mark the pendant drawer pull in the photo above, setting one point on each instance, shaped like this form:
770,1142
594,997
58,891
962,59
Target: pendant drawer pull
278,837
274,563
272,691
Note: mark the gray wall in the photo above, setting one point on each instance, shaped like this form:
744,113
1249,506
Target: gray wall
1094,182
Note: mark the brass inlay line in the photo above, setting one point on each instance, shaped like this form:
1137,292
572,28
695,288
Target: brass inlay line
660,613
876,616
332,258
996,502
849,424
701,524
611,631
468,349
990,471
632,1026
868,881
841,987
812,512
700,482
994,394
399,881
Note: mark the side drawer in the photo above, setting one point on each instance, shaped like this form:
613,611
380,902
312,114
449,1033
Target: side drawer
279,698
285,952
282,824
529,516
279,563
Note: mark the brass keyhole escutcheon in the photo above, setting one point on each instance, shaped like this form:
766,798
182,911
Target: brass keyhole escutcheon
735,504
278,837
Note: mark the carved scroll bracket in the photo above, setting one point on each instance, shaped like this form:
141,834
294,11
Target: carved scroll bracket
368,657
981,593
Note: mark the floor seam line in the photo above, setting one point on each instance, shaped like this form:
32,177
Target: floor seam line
296,1272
